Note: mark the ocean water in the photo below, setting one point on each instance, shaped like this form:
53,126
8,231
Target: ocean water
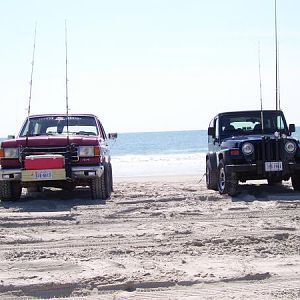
161,153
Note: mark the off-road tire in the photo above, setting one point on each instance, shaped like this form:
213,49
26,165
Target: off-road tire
97,187
101,187
296,182
111,177
211,177
10,191
226,184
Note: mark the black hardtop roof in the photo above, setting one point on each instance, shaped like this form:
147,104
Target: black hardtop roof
249,111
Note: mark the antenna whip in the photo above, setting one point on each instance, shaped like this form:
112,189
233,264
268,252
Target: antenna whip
260,91
276,59
31,76
67,96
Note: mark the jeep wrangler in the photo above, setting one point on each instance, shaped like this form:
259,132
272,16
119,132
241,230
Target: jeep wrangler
251,145
57,150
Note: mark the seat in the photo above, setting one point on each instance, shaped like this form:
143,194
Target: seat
229,128
257,127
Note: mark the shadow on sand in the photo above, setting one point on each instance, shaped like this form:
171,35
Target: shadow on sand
264,192
52,200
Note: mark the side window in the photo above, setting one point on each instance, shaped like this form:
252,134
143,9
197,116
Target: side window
280,124
217,128
102,131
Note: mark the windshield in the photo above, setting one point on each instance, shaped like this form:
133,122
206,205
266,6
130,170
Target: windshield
251,123
58,125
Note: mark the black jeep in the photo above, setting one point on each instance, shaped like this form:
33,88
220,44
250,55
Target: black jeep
246,145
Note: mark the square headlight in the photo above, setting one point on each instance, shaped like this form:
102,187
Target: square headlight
86,151
11,152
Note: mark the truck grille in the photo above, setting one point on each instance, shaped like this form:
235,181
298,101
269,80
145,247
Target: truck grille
269,150
70,152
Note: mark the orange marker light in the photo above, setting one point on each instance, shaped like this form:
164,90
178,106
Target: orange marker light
97,151
1,153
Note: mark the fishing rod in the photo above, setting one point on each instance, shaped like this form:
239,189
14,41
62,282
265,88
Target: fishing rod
30,83
260,91
67,95
31,76
276,60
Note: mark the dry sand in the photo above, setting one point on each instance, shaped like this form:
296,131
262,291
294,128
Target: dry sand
156,238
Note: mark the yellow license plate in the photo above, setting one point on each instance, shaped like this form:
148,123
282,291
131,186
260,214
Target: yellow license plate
40,175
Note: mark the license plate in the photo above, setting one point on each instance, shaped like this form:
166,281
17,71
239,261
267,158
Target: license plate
43,174
273,166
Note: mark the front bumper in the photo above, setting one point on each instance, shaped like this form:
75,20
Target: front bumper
258,168
78,172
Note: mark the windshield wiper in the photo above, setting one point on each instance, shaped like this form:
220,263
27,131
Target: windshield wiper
38,134
85,133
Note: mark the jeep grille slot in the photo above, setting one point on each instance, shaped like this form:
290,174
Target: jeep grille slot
268,150
67,152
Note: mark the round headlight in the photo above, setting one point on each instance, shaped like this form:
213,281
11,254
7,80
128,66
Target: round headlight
247,148
290,147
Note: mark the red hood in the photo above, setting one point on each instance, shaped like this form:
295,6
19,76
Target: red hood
40,141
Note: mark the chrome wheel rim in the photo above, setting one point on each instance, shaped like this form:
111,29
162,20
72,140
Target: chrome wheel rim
222,179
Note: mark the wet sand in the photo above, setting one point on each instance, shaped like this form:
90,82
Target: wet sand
156,238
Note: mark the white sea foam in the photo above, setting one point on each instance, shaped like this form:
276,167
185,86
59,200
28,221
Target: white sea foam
159,165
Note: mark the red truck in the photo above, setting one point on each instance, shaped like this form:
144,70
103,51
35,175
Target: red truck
57,150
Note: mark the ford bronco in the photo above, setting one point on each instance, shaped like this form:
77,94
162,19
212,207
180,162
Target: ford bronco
57,150
247,145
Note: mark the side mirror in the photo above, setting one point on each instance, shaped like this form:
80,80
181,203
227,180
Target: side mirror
11,137
211,131
112,136
292,128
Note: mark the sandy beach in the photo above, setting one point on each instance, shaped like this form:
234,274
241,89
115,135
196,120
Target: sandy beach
156,238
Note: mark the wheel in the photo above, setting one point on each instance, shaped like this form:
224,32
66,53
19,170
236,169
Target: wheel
226,184
101,186
97,188
10,190
16,190
211,177
111,177
296,182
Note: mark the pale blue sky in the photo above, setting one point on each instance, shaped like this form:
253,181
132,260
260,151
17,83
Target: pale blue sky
147,65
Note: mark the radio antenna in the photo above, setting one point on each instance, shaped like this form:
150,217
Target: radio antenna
67,96
31,76
276,59
260,91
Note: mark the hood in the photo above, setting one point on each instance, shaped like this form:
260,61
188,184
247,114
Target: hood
235,141
252,137
51,141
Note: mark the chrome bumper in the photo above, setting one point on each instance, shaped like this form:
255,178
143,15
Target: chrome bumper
77,173
10,174
87,171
